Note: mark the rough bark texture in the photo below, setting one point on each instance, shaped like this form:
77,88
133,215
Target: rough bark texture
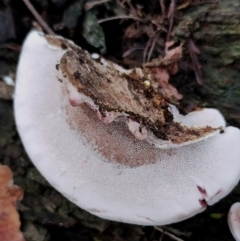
215,29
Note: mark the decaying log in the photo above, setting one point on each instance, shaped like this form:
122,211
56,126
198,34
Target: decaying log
215,29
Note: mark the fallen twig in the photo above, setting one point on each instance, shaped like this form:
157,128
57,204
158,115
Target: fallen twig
90,5
170,235
152,46
171,17
162,4
177,232
121,17
40,20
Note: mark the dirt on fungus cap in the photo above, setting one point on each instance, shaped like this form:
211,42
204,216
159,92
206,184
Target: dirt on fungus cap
234,220
119,96
103,168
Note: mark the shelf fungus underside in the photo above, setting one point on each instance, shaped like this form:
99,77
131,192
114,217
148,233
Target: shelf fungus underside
107,140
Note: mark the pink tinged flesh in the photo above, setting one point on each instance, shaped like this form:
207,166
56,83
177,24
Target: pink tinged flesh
107,117
234,220
77,99
140,132
104,169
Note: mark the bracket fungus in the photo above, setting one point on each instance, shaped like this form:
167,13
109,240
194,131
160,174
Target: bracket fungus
104,168
234,220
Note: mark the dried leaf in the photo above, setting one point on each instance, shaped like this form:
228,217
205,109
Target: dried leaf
172,55
9,194
162,68
168,91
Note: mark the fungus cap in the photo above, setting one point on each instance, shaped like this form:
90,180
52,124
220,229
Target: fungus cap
102,168
200,118
234,220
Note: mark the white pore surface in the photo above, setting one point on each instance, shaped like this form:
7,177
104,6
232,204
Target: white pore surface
165,186
234,220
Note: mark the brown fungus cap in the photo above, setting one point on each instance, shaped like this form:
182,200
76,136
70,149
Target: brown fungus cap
103,168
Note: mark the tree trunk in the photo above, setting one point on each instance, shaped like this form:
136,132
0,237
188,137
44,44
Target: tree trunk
215,29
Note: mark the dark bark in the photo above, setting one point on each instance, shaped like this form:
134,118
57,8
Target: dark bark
215,29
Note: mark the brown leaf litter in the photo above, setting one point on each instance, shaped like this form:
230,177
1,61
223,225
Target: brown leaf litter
9,217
